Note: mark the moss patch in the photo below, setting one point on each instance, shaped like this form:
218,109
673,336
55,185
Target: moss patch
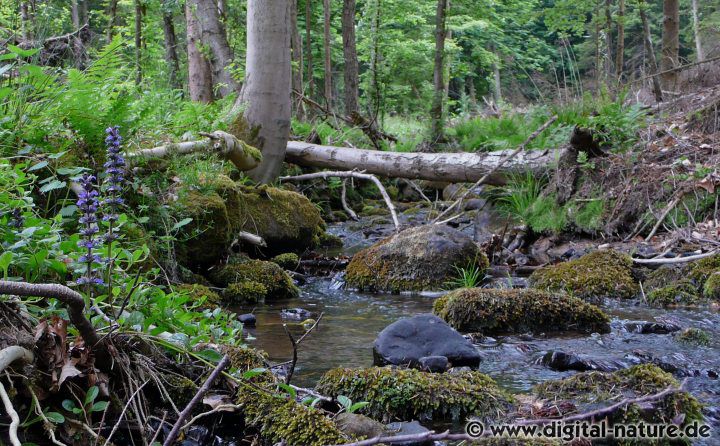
208,235
277,283
680,293
288,260
406,394
695,336
197,291
594,276
711,289
494,311
245,292
415,259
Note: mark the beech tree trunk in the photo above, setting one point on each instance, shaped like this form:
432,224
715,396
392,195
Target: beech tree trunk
112,15
199,69
79,13
450,167
138,41
670,43
214,37
620,56
25,22
608,38
696,31
297,60
267,87
650,50
308,46
351,59
171,56
327,51
436,111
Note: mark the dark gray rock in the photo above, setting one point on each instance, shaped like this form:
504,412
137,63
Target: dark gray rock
434,364
357,425
647,327
561,361
409,428
297,314
248,319
406,341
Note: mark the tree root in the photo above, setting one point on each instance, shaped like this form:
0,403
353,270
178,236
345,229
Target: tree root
8,356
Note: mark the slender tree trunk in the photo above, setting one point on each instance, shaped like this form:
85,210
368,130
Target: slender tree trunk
470,82
497,87
171,55
620,57
308,45
608,37
598,58
670,43
696,31
112,15
75,13
266,91
436,111
138,41
351,59
215,38
297,59
650,50
374,102
199,69
327,51
25,22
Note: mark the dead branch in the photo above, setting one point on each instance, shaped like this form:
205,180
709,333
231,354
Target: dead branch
675,260
670,206
222,143
343,200
295,344
423,437
72,299
351,174
485,177
8,356
122,413
172,436
251,238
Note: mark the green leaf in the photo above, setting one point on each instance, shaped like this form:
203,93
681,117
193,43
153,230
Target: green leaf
99,406
53,185
68,211
253,373
180,224
5,260
38,166
68,405
21,52
344,401
55,417
55,156
357,406
71,170
210,355
91,394
290,391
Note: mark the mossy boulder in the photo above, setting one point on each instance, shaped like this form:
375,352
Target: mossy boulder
495,311
695,336
406,394
682,293
203,241
277,283
593,276
245,292
711,289
197,292
591,388
288,260
415,259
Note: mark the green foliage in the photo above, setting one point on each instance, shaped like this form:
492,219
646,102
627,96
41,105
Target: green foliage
695,336
468,277
522,202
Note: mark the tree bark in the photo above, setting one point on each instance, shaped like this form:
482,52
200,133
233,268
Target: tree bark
327,51
650,50
670,43
171,56
297,59
696,32
138,41
112,15
213,35
25,22
267,87
308,46
79,13
351,58
436,111
199,69
374,102
449,167
608,38
620,56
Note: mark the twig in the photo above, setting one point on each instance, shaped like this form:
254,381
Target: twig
8,355
423,437
351,174
311,393
14,418
670,206
343,200
674,260
218,408
49,427
295,344
484,178
196,399
251,238
122,414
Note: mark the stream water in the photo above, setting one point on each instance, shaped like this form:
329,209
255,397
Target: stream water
352,321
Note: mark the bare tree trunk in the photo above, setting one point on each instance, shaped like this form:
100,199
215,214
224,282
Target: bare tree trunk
308,45
112,16
25,22
497,87
171,55
214,37
75,13
670,43
199,69
650,50
608,39
374,102
436,111
696,31
297,59
620,57
351,59
138,41
327,50
267,87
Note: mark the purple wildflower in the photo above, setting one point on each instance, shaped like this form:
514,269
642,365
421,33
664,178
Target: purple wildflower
114,171
88,205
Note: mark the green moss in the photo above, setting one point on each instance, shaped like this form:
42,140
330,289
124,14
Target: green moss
208,235
494,311
197,291
679,293
275,280
636,381
245,292
369,211
278,419
594,276
330,241
243,359
711,289
701,270
289,260
180,388
406,394
695,336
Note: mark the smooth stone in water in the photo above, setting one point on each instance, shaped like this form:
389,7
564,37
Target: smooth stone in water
297,314
407,340
248,319
561,361
358,425
647,327
409,428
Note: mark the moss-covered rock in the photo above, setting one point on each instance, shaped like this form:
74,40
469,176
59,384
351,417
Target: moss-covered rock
204,240
245,292
415,259
288,260
594,276
702,269
495,311
596,387
406,394
197,292
680,293
277,283
243,359
711,289
695,336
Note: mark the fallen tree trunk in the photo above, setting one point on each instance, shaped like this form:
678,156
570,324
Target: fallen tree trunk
451,167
